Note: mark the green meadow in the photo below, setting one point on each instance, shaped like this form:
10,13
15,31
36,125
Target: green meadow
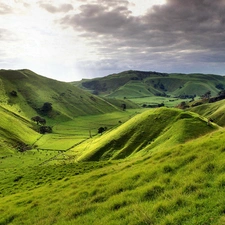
178,185
155,166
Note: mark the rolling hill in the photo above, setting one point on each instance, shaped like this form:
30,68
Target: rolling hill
33,90
16,132
136,84
215,111
162,166
176,184
151,130
23,95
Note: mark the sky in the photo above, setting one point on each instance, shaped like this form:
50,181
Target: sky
68,40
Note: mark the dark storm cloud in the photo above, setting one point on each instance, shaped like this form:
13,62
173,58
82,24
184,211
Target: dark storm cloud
176,32
99,19
53,9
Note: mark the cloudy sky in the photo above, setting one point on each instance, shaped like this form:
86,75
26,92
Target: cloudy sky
73,39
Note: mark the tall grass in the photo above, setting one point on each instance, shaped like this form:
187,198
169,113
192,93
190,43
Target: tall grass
180,185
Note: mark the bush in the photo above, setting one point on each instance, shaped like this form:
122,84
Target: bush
47,107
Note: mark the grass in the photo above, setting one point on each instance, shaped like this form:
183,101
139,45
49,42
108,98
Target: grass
30,98
179,185
14,130
155,100
138,84
148,131
214,111
160,166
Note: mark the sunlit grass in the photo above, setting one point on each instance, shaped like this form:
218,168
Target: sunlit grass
180,185
159,166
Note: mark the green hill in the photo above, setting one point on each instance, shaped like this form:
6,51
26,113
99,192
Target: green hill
16,132
34,90
23,95
183,184
136,84
161,166
215,111
151,130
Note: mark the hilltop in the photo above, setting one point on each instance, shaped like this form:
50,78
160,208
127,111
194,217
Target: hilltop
158,166
151,130
136,84
33,90
25,94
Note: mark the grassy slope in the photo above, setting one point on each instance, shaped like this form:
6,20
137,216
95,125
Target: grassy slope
14,129
34,90
184,185
153,129
179,182
216,111
132,84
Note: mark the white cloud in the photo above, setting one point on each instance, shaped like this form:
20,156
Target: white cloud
60,39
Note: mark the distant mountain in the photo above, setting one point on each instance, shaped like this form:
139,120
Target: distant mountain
133,84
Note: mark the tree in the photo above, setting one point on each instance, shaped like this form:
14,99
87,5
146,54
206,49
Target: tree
39,120
101,130
45,129
13,93
221,93
36,119
47,107
42,121
123,106
219,86
207,95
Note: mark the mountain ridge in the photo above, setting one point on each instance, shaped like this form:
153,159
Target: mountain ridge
134,83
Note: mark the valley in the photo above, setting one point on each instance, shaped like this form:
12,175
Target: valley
152,164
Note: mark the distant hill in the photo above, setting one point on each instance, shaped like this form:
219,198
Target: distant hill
215,111
150,130
136,84
150,166
25,92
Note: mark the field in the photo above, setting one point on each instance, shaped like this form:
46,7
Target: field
155,100
155,166
180,185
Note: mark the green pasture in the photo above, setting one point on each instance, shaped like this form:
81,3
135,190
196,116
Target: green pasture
161,166
137,84
155,100
215,111
153,129
179,185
